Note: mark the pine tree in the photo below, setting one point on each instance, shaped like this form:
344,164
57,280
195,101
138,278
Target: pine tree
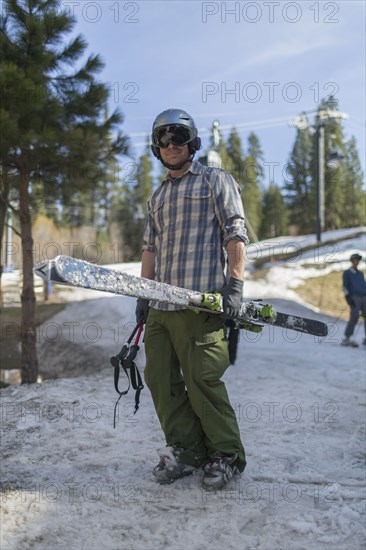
300,187
344,199
129,204
251,196
144,180
141,193
235,152
334,196
274,213
333,143
245,170
227,162
354,206
51,115
256,153
253,180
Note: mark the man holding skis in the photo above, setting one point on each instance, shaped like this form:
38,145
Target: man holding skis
194,226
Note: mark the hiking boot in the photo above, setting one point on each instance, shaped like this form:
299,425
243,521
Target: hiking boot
218,472
170,468
348,342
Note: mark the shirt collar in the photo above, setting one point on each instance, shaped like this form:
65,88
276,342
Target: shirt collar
195,168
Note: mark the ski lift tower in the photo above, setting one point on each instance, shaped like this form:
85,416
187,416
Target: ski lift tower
324,116
212,158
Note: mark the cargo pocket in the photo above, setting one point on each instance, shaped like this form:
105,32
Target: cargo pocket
212,349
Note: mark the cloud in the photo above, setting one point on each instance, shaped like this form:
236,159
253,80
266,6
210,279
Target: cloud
284,51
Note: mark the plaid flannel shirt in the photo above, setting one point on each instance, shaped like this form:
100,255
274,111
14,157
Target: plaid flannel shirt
189,221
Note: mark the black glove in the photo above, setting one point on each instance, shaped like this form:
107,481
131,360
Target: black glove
142,309
349,300
232,295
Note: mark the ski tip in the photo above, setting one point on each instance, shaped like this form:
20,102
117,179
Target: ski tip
47,271
42,270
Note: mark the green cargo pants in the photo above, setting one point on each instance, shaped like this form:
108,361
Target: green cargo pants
186,356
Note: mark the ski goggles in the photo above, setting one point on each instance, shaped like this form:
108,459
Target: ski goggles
177,135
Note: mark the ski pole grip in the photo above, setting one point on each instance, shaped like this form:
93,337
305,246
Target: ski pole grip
120,356
127,362
114,362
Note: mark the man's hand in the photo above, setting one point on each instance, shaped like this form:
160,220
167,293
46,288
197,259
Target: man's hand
349,300
142,310
232,296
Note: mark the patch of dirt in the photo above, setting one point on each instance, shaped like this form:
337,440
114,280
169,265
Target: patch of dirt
325,293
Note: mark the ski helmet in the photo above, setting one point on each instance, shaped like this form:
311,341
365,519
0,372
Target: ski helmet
174,126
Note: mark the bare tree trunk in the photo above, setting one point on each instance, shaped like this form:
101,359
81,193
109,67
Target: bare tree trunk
29,362
4,192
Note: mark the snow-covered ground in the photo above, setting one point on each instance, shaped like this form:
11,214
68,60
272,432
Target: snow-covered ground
69,480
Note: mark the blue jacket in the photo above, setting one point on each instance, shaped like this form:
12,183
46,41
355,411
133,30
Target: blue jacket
354,282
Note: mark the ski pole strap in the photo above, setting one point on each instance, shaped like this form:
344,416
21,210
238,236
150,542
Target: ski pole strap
125,359
134,380
137,385
121,393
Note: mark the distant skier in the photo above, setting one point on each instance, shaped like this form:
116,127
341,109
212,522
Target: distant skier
354,288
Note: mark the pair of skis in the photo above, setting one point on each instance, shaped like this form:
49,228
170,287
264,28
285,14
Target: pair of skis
253,314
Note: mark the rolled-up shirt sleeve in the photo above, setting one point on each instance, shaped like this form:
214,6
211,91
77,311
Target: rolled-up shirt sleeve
229,208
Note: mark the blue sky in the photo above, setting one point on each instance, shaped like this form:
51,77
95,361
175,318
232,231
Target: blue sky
253,65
